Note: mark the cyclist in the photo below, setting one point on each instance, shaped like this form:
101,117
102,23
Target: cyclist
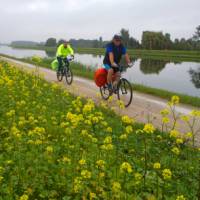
63,51
114,52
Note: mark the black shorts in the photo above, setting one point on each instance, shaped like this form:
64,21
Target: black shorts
115,69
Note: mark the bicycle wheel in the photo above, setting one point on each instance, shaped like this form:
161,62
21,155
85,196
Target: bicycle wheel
105,93
125,92
68,76
59,75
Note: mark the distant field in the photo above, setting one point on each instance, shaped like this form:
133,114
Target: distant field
136,53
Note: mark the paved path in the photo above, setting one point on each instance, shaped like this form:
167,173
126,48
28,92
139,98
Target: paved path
143,106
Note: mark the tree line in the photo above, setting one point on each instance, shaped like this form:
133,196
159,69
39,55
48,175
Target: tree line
151,40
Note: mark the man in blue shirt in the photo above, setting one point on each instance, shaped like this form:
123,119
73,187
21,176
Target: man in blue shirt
114,52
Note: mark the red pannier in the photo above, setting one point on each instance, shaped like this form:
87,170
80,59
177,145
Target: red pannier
100,77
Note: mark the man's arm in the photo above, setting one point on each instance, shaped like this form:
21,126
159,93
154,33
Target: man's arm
127,58
111,57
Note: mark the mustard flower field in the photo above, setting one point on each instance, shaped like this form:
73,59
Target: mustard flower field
57,146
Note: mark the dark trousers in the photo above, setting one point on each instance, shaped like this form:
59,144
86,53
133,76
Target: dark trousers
60,62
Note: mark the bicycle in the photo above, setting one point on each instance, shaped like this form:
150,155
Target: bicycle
65,71
123,90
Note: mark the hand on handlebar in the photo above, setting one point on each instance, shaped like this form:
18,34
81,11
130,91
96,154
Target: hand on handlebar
115,65
130,64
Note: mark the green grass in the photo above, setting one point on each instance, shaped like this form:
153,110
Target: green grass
45,132
168,55
83,71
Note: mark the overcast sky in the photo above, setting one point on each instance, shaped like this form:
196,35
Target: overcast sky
39,19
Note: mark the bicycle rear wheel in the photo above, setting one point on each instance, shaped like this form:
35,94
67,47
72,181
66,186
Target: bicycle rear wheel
105,93
125,92
68,76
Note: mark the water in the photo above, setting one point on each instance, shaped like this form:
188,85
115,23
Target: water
183,77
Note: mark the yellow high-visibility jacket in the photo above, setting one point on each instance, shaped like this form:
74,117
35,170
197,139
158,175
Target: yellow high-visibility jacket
64,52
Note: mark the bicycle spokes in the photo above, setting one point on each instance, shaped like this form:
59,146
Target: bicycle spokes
125,92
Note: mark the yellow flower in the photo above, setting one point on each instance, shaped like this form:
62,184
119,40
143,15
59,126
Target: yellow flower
189,135
167,174
36,59
123,137
11,113
180,197
66,159
185,118
165,120
157,165
176,150
38,142
100,164
121,104
138,178
126,167
174,134
149,128
179,141
82,162
129,129
164,112
127,120
86,174
110,99
108,140
88,108
24,197
195,113
175,100
101,174
49,149
116,187
78,185
107,147
92,196
109,130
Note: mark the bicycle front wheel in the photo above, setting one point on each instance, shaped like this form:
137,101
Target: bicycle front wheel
59,75
125,92
69,76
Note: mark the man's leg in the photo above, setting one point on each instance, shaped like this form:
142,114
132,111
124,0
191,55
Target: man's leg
59,63
109,78
66,63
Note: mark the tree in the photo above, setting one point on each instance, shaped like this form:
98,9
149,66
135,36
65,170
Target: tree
51,42
95,43
196,36
133,43
125,36
100,42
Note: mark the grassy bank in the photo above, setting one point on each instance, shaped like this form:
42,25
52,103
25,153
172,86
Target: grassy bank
168,55
57,146
83,71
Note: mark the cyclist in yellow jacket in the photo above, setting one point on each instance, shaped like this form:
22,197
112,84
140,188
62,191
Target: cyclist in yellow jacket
63,51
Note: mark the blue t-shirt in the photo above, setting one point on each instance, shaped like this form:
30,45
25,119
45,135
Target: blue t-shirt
109,49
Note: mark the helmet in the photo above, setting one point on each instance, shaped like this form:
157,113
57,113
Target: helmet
117,37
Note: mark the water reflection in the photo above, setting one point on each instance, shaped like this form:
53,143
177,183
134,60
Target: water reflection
50,54
181,77
149,66
195,75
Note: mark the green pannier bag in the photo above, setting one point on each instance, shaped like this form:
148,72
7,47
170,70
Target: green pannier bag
54,64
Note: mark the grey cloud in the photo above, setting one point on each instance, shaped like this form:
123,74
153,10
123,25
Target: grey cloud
39,19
